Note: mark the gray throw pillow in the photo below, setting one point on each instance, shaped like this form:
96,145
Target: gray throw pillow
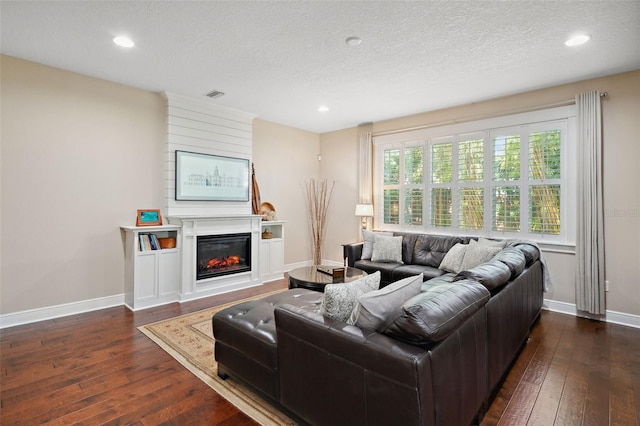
477,254
372,308
387,249
492,243
368,237
339,299
452,261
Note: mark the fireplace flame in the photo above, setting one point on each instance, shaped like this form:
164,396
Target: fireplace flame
219,263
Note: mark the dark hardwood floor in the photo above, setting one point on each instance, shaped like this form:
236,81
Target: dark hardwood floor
97,368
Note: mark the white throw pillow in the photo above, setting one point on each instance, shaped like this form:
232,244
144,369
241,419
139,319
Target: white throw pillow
477,254
452,261
372,308
339,299
368,238
387,249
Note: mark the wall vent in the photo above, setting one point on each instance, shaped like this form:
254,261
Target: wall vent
215,94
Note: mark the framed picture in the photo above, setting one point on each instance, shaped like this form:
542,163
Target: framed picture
205,177
149,218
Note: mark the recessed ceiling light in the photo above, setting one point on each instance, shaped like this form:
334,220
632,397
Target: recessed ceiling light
577,40
323,108
123,41
353,41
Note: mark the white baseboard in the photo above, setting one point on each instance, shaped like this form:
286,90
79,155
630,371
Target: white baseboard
613,317
57,311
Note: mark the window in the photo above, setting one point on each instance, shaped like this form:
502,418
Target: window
507,177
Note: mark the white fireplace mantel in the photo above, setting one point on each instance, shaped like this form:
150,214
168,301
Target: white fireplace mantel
200,225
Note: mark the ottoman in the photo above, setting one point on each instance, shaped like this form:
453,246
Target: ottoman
246,346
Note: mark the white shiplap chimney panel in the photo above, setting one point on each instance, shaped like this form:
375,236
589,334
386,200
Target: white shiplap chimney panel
198,126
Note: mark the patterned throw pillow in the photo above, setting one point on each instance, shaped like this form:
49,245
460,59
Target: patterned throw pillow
476,254
387,249
339,299
452,261
372,308
368,237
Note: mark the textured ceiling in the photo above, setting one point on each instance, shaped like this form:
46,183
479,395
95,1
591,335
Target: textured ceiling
281,60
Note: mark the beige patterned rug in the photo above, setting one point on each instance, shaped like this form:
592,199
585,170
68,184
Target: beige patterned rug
189,339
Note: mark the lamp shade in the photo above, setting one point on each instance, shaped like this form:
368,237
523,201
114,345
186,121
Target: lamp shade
364,210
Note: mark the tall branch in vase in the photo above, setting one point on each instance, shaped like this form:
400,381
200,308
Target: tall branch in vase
318,199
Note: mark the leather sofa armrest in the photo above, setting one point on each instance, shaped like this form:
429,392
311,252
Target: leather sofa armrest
353,252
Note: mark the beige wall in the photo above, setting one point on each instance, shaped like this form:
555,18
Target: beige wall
340,165
621,129
79,156
285,158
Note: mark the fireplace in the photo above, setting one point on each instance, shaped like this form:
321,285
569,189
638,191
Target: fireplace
223,255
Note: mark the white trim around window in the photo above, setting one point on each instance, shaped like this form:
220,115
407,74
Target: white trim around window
456,183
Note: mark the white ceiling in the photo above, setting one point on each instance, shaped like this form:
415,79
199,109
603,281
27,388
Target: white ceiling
281,60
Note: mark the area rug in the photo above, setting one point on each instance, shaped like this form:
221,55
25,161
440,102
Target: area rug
189,339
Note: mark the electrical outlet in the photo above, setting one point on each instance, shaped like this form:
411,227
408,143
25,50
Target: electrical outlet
606,285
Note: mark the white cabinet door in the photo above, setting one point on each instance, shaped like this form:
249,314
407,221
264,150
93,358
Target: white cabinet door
146,270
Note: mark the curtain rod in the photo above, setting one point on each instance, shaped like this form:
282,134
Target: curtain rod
483,116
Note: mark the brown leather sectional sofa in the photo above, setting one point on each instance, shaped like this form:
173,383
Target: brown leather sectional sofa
325,372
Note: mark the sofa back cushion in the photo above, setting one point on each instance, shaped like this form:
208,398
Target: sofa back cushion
429,250
530,252
435,313
492,274
408,245
513,258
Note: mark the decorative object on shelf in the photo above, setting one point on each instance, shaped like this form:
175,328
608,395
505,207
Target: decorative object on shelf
267,234
268,212
364,211
206,177
318,199
149,218
255,191
167,242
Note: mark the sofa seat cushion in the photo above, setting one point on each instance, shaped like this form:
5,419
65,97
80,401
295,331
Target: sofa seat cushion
434,314
385,268
404,271
513,258
430,249
491,274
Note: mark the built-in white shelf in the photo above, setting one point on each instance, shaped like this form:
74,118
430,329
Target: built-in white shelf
272,251
151,277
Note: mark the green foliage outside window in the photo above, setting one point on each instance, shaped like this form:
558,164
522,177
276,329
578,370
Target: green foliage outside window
391,207
506,158
441,163
441,207
391,166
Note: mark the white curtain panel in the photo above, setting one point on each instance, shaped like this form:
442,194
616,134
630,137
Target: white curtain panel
590,285
365,167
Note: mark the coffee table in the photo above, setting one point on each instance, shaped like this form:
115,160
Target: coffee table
309,277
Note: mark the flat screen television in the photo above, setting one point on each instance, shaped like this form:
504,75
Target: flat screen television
207,177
